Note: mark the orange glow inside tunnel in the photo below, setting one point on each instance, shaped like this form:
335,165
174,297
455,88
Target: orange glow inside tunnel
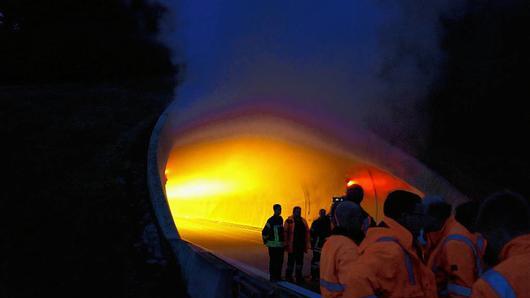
237,179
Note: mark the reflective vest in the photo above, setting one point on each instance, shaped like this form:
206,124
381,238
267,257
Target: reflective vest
336,262
511,277
457,260
272,233
388,266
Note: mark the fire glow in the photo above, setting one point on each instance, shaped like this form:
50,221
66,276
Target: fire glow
238,178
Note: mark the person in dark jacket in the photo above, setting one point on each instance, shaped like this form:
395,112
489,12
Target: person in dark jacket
355,194
320,230
296,244
273,238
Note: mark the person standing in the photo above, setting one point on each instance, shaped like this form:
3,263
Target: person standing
273,238
504,220
297,244
355,194
340,252
320,230
455,254
389,264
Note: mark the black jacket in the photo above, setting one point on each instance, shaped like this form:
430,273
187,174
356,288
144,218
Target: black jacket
320,230
272,233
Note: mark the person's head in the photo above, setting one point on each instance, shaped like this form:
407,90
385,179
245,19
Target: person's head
437,211
502,217
277,209
349,217
322,213
355,193
405,208
466,214
297,211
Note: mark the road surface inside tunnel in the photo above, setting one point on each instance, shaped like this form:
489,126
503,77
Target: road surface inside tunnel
240,246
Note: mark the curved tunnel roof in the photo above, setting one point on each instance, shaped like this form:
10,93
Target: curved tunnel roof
234,166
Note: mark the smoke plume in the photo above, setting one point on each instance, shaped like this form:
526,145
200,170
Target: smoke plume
361,63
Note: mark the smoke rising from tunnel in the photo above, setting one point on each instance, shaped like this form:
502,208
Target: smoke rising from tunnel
359,63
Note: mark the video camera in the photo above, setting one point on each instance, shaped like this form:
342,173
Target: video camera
336,200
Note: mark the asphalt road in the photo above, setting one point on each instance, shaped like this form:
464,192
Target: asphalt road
239,245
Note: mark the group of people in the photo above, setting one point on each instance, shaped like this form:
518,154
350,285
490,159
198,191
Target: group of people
421,248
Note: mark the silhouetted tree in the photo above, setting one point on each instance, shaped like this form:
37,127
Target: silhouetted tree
89,40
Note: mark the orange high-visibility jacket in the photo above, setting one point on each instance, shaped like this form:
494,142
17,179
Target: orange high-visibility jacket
456,259
288,228
389,266
510,278
338,255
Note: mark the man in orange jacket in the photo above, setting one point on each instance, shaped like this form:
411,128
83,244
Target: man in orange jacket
456,255
297,243
389,265
504,220
340,251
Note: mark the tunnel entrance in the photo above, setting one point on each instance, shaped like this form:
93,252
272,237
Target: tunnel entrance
234,172
221,173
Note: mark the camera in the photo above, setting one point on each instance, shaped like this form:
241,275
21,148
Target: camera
334,202
338,199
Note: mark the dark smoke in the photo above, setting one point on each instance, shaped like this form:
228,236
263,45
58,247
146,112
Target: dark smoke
445,81
365,63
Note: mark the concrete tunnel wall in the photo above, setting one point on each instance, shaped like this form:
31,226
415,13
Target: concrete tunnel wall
386,159
197,265
340,154
235,169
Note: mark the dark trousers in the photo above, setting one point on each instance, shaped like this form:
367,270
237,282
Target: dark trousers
295,260
275,262
315,265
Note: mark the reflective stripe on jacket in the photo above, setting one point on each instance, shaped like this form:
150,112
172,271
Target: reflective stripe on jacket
336,262
272,233
456,259
510,278
388,266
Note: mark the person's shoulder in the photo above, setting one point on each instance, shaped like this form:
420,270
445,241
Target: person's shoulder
374,243
342,240
516,265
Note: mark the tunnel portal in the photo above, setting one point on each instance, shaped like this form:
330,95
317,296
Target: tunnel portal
234,171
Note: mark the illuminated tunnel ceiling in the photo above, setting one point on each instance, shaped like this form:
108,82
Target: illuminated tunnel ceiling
235,170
